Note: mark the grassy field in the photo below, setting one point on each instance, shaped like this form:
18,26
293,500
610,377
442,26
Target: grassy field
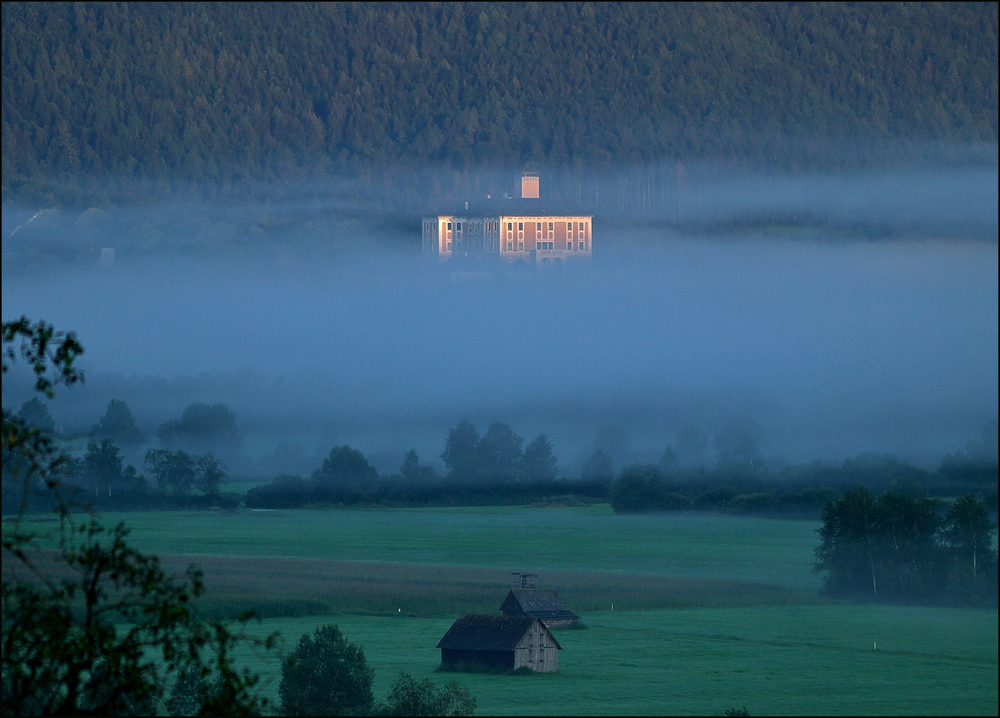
711,611
791,660
710,546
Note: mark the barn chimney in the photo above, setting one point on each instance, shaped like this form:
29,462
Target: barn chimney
525,580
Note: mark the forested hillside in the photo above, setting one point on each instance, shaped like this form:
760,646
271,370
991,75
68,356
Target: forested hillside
220,92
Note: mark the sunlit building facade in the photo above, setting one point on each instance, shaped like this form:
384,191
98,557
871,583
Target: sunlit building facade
535,237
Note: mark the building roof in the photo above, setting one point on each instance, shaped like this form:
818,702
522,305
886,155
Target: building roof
488,633
539,603
515,207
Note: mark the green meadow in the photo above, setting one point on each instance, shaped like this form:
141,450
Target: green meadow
775,660
710,611
709,546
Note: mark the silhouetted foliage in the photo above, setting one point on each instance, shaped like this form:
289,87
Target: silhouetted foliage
413,472
897,548
105,630
286,491
460,453
612,439
345,472
326,675
639,487
34,413
408,697
968,535
598,467
668,461
539,463
738,444
106,473
499,453
203,428
118,424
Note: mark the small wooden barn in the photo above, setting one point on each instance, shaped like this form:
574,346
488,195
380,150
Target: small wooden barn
538,603
501,642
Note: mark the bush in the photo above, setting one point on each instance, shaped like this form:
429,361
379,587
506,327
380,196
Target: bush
326,675
637,488
407,697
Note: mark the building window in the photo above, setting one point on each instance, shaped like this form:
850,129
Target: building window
581,226
510,246
520,226
520,246
459,228
449,246
510,226
550,226
449,225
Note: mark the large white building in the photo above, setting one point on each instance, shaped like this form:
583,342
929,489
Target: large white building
521,230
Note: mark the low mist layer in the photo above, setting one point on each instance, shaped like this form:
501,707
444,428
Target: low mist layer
830,349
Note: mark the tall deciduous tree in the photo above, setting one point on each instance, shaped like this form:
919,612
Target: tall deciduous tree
968,533
174,471
848,543
203,428
499,454
326,675
460,452
344,471
119,425
539,463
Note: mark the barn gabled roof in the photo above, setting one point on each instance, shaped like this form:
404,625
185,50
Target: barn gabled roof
488,633
539,603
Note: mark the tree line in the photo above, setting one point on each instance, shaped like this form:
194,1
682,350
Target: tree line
172,477
900,548
201,426
491,468
217,92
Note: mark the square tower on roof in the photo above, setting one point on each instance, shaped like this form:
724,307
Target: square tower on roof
529,186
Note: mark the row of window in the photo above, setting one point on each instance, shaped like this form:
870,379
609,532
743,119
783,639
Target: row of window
538,226
492,226
510,226
491,246
543,246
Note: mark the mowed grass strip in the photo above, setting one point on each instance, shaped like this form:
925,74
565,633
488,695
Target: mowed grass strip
779,660
299,587
705,546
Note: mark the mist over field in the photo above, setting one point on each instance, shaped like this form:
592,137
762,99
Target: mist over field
827,343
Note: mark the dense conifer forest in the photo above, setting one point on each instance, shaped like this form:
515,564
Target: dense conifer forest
218,93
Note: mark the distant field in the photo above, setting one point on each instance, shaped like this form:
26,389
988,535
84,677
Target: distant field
774,660
710,546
